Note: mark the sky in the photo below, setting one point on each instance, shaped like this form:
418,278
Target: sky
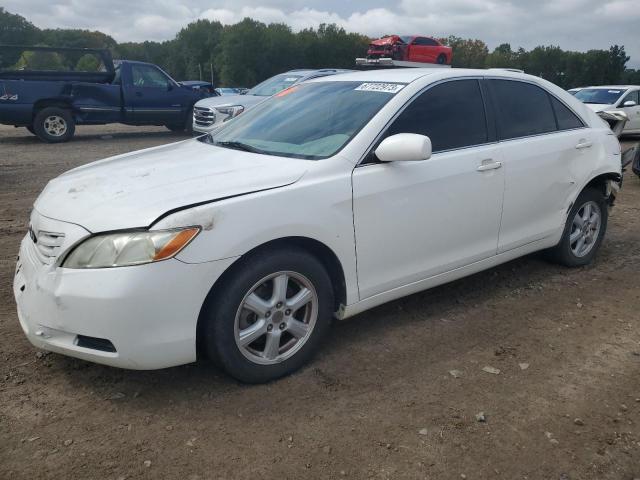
571,24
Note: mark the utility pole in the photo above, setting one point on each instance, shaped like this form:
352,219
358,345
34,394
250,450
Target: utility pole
211,66
200,70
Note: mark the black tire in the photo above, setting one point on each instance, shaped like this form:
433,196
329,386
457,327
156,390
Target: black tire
219,314
563,252
43,131
442,59
186,127
188,123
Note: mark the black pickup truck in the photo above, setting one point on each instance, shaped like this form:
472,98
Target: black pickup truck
51,90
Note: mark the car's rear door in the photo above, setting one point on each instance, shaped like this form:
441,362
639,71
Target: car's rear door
543,143
414,220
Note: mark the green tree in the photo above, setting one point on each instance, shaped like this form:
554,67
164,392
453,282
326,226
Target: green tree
88,63
37,60
16,30
467,52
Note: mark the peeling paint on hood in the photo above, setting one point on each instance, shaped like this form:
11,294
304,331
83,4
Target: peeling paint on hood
132,190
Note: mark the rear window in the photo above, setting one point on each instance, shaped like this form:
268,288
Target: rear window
274,85
522,109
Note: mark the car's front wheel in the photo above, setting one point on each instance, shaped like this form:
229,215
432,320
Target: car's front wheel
584,230
268,317
442,59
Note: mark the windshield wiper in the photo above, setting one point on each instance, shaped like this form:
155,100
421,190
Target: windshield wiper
239,146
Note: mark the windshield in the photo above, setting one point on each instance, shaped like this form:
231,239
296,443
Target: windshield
309,120
599,95
274,85
405,38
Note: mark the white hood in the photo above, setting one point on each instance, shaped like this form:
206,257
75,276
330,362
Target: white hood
230,100
598,107
134,189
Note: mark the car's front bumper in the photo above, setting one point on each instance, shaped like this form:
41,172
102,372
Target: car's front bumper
148,313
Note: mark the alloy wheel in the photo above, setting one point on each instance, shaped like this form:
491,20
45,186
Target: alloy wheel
585,229
276,317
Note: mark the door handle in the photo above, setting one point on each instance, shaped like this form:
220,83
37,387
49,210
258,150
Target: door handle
489,165
583,144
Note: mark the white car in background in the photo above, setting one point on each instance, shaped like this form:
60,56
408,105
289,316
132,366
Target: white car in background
212,112
618,98
243,244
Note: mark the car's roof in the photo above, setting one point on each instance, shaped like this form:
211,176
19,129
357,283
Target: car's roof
408,75
609,87
305,72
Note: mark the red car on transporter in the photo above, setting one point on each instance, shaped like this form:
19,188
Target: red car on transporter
410,48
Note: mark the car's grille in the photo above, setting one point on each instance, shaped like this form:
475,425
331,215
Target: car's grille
47,245
203,116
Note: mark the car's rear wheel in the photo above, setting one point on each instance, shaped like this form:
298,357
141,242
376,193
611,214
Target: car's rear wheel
269,316
584,231
54,125
442,59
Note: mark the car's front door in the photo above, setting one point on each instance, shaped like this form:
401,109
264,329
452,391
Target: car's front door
154,98
633,111
543,143
414,220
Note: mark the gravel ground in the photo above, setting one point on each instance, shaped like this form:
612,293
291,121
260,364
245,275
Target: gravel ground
395,393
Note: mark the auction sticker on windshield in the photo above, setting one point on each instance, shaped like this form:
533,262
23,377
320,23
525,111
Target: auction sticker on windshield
380,87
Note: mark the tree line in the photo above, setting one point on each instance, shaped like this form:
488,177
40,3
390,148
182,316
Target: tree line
250,51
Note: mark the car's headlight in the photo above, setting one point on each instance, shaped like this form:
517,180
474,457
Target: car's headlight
231,111
129,248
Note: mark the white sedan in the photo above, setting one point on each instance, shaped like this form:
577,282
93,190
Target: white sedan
615,98
330,198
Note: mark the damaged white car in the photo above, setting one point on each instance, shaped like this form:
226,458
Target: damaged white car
619,105
330,198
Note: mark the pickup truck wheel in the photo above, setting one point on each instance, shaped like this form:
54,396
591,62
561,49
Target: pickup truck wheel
584,230
54,125
442,59
268,318
188,123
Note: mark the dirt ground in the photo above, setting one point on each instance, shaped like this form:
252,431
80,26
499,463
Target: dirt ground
380,400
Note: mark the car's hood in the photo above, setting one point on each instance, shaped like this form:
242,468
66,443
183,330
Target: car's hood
384,41
598,107
134,189
229,100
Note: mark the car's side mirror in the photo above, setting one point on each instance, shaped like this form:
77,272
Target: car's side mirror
629,103
404,147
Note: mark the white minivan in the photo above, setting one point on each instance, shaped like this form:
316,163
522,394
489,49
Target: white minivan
330,198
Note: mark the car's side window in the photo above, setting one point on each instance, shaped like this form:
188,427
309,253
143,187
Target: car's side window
632,96
146,76
567,120
451,114
424,41
522,109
